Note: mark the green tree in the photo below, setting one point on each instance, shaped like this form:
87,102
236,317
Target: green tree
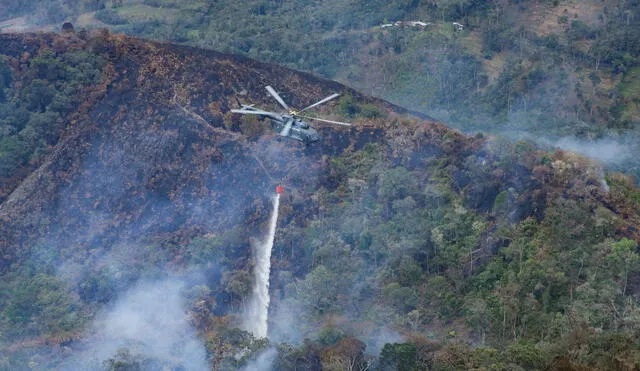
398,357
624,260
40,304
320,290
124,360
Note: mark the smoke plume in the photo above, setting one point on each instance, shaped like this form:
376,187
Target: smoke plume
146,328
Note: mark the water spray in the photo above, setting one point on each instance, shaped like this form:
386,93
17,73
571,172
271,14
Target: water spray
258,309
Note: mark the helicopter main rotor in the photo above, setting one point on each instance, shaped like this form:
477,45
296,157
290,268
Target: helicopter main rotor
275,94
295,113
291,119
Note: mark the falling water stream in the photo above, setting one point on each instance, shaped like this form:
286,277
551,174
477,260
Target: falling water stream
258,307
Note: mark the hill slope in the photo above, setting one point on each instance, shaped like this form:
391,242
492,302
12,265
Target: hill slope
563,72
399,241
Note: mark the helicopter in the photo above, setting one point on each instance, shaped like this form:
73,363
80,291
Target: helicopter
289,124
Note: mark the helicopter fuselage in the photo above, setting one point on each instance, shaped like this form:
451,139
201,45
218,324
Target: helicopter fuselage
300,130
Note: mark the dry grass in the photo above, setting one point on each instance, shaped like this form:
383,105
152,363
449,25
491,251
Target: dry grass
494,66
545,20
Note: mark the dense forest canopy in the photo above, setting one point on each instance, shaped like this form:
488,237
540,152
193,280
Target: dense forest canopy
129,187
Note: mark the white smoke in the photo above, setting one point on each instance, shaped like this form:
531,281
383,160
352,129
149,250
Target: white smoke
605,150
149,327
289,322
256,317
264,362
609,150
384,335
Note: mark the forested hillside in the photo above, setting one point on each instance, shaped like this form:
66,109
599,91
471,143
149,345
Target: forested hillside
131,196
562,72
128,187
